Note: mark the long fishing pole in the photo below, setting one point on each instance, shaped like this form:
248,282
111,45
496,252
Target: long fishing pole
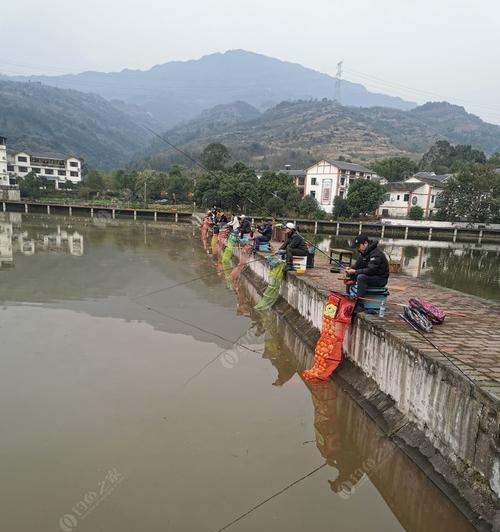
203,167
194,279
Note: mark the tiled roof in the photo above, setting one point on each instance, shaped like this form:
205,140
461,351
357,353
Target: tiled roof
401,186
350,166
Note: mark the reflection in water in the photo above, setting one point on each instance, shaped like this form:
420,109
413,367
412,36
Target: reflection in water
352,445
467,267
14,238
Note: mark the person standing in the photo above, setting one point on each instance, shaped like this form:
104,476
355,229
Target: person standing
371,269
294,245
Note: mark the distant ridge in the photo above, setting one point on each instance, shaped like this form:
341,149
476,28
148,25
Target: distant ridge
300,133
179,90
46,120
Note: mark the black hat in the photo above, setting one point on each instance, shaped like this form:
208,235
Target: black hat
360,239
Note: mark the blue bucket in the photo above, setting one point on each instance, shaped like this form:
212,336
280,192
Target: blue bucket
374,297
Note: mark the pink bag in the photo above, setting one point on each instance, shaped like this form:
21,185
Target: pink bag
435,314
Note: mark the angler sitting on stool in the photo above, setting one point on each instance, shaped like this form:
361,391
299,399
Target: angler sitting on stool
295,245
371,269
266,231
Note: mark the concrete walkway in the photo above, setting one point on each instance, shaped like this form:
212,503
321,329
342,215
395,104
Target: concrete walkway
470,335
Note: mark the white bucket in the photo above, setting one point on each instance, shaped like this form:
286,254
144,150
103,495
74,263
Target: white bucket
299,263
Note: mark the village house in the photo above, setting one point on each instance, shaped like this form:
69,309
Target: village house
327,180
58,169
7,191
420,190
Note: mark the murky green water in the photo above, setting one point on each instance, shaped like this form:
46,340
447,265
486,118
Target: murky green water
467,267
124,408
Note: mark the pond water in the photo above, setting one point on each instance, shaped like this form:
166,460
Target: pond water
126,405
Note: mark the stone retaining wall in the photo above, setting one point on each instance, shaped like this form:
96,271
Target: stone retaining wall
445,422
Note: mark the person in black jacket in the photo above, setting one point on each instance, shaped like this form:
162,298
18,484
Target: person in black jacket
293,245
372,267
245,226
266,232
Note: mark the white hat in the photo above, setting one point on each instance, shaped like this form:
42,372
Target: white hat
290,225
243,216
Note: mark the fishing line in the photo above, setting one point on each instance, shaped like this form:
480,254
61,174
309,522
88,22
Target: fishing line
210,333
295,482
195,161
213,174
445,355
210,362
182,283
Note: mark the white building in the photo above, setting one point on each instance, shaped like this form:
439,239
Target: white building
60,170
328,179
420,190
7,191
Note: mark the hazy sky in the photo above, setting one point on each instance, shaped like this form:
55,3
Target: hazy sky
421,50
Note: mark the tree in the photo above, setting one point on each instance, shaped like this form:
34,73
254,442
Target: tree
215,156
472,195
416,213
309,208
31,185
364,197
395,168
278,185
494,160
94,181
179,186
340,208
152,182
443,158
275,206
124,179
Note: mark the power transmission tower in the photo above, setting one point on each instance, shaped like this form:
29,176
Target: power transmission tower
338,83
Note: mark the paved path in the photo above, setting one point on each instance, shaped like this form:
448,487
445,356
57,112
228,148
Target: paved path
470,335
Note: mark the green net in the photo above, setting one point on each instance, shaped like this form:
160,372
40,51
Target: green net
228,252
272,292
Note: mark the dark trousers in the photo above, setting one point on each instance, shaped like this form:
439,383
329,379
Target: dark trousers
369,281
260,240
291,252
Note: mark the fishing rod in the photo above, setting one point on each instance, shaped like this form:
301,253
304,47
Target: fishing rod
194,279
204,168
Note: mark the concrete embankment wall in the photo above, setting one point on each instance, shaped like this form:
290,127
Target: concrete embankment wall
94,212
443,421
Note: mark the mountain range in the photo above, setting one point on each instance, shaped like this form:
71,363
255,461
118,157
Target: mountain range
50,121
268,112
299,133
179,90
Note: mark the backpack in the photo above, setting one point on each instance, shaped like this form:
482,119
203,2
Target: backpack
435,314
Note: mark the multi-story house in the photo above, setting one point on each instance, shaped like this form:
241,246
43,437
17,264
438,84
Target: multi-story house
420,190
60,170
4,176
327,180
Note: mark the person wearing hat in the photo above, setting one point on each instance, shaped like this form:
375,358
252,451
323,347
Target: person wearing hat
245,226
294,245
372,267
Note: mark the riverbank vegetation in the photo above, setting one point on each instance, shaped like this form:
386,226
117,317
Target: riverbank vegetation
472,193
